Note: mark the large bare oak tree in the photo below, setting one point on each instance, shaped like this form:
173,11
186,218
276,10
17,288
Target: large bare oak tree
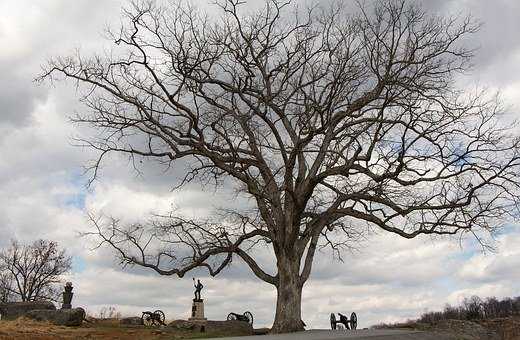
327,119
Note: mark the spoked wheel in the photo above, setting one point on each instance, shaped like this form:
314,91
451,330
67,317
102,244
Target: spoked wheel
147,319
160,316
332,321
353,320
231,317
249,317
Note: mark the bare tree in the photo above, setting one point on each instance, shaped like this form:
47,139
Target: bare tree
109,312
6,284
32,271
327,119
491,307
475,308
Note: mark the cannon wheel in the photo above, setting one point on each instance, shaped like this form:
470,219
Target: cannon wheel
147,318
249,317
160,316
231,316
353,320
332,321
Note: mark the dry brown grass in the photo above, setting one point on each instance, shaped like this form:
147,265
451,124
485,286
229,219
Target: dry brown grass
23,328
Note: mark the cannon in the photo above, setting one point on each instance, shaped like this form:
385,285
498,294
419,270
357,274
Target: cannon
349,324
247,317
153,318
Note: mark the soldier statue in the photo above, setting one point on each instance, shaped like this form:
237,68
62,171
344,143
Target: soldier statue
198,287
67,296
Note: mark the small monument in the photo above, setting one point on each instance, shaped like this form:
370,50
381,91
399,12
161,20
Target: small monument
197,309
67,296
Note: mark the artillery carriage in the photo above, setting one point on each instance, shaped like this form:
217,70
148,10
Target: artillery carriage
153,318
247,317
349,324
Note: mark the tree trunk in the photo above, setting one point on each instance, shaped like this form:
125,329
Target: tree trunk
289,298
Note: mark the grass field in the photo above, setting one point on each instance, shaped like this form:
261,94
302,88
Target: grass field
107,329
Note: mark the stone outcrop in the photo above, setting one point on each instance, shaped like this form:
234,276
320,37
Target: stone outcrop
131,321
507,328
232,327
14,310
465,329
183,325
61,317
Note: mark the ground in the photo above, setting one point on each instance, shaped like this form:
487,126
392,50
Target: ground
27,329
496,329
507,328
364,334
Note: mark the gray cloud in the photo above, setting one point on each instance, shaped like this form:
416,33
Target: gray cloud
18,97
496,61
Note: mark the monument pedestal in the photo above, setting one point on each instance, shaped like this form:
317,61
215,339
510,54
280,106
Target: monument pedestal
197,311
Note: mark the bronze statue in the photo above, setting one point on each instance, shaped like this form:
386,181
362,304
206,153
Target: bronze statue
67,296
198,287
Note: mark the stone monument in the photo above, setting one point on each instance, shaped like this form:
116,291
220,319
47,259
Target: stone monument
67,296
197,309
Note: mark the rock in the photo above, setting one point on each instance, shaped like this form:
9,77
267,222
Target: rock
468,329
506,328
131,321
263,331
61,317
182,325
231,327
13,310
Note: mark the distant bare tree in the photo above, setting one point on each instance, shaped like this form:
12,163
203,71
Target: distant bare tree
109,312
516,305
506,307
327,120
451,313
473,308
6,284
491,307
31,272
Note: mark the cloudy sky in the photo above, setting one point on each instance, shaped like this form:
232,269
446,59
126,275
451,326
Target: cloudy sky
43,192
